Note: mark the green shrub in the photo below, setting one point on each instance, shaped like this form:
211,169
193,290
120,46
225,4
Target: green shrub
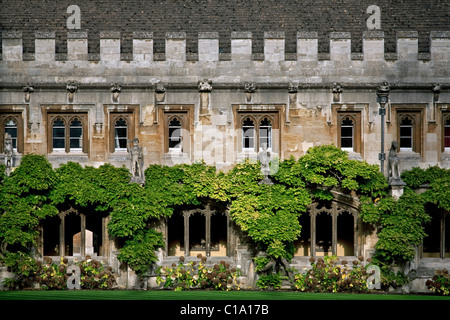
93,274
193,275
271,281
440,283
326,275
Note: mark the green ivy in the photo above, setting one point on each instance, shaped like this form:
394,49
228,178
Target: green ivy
268,214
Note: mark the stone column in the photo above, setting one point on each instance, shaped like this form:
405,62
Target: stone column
83,234
313,232
334,227
186,234
62,236
208,233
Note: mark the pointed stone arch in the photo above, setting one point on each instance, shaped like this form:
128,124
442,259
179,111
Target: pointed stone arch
334,212
195,232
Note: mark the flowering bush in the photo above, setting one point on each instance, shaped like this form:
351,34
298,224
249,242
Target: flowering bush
440,283
192,275
326,275
93,275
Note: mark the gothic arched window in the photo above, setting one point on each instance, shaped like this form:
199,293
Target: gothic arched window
76,135
175,134
11,129
265,133
59,134
447,134
67,132
347,133
120,135
406,133
248,134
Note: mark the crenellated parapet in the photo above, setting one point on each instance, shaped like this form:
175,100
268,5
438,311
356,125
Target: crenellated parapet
241,64
373,47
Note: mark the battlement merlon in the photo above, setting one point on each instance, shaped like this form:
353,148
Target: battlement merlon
241,46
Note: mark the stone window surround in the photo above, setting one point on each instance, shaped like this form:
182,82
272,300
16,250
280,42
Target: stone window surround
416,113
257,112
51,112
186,114
445,118
112,114
16,113
356,112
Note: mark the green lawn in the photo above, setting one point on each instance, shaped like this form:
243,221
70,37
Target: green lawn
203,295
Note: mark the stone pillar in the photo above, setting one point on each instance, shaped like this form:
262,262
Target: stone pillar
208,233
186,234
313,232
334,227
62,236
397,187
83,235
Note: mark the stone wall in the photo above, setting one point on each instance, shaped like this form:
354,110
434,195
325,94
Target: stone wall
306,90
301,87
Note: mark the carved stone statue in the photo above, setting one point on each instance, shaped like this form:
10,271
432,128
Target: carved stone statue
8,153
264,158
393,162
137,161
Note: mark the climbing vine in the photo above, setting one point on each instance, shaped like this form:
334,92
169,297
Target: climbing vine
267,213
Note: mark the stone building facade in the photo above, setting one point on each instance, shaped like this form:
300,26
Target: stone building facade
221,106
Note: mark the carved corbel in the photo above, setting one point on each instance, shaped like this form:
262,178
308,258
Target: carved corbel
71,88
337,90
249,88
204,87
115,90
437,87
28,89
160,92
293,91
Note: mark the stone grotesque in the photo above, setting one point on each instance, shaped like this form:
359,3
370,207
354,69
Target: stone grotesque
264,158
137,161
27,90
437,87
204,85
249,87
337,90
160,87
293,87
8,152
71,88
115,90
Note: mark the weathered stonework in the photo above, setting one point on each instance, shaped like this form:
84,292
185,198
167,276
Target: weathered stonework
306,94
